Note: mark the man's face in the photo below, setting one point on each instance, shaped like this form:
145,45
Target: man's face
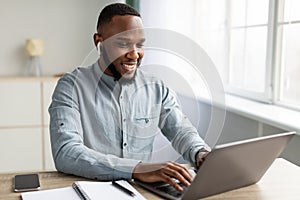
123,44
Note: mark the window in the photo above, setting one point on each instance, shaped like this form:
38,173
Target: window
255,46
248,32
288,29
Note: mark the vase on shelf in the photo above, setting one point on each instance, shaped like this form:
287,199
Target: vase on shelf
34,50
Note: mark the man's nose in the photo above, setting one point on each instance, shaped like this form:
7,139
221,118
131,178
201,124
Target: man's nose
133,54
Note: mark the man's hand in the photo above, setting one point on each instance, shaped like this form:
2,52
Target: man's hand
148,172
200,157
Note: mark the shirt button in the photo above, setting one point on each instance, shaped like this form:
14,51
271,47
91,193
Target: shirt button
124,120
125,144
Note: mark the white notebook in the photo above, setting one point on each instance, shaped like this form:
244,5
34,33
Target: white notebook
90,191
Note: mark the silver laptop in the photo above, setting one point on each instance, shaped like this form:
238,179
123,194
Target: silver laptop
228,166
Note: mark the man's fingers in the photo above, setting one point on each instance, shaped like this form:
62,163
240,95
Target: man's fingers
178,176
169,180
183,172
166,172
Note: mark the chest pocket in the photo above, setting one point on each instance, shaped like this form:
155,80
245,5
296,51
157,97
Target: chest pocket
145,124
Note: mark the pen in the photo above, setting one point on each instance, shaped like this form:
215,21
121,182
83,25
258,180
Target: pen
80,192
117,185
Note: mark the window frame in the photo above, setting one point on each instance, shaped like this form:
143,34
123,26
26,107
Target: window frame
274,66
267,95
277,77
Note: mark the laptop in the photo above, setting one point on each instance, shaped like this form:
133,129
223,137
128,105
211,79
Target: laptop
227,167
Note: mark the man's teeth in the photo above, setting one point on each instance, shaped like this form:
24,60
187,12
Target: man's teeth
129,66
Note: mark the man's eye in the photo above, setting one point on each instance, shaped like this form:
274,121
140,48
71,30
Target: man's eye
140,45
123,45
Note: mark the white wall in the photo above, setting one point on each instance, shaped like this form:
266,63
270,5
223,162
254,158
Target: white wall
175,15
166,22
67,27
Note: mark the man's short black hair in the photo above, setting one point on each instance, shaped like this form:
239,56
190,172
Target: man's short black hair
115,9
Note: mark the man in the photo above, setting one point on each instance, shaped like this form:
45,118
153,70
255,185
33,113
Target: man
104,118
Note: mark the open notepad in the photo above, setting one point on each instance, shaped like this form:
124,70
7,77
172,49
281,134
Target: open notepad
86,190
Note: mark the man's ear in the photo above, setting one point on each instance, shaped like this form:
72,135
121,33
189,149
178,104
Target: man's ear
97,38
98,41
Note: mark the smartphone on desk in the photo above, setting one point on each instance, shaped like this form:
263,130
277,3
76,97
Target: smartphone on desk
26,182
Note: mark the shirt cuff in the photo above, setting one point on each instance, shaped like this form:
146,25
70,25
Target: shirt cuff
125,170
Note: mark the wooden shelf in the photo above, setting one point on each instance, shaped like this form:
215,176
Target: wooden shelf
28,78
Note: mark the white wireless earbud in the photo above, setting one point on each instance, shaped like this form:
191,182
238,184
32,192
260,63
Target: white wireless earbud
98,48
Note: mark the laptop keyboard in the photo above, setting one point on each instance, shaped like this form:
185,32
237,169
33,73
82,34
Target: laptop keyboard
171,190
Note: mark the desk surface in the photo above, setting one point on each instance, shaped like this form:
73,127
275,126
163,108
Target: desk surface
281,181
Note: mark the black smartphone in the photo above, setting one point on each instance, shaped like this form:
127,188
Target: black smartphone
26,182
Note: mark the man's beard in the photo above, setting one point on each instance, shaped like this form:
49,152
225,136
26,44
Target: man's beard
112,68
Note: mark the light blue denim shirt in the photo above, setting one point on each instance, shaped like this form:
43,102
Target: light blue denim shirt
101,128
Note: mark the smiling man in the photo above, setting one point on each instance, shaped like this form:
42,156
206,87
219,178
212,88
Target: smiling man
104,118
124,39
